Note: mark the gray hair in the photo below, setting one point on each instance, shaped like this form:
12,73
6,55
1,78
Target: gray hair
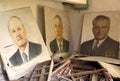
100,17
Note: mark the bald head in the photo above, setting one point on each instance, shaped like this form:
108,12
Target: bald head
17,31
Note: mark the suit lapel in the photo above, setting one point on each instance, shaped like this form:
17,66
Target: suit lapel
18,58
91,44
33,50
56,46
91,52
65,46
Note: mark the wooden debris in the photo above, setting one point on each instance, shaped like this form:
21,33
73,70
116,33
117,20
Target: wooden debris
41,72
70,69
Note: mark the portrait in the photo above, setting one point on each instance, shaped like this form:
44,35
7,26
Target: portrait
21,43
100,35
57,31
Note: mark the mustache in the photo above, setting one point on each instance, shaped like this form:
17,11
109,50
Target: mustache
19,37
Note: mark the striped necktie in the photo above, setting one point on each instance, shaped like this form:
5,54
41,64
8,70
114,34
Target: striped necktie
96,45
93,52
25,57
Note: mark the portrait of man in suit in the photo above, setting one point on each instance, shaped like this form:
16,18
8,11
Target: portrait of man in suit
102,44
27,50
59,44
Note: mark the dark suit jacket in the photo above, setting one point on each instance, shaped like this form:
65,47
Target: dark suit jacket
34,50
54,47
109,48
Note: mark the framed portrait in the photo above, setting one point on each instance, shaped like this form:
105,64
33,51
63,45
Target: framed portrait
105,28
57,31
21,43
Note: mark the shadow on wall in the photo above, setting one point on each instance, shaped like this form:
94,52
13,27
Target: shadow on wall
41,21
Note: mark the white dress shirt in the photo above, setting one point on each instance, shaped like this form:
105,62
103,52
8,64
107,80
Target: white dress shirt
58,43
99,42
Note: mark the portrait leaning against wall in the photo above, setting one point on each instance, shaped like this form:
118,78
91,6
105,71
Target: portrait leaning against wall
101,35
57,32
21,42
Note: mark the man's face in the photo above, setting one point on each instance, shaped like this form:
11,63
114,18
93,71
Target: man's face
17,31
101,29
58,29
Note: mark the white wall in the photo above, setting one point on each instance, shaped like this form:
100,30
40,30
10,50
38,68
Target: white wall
76,16
14,4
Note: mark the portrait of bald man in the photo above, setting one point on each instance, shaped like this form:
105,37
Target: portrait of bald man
27,50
